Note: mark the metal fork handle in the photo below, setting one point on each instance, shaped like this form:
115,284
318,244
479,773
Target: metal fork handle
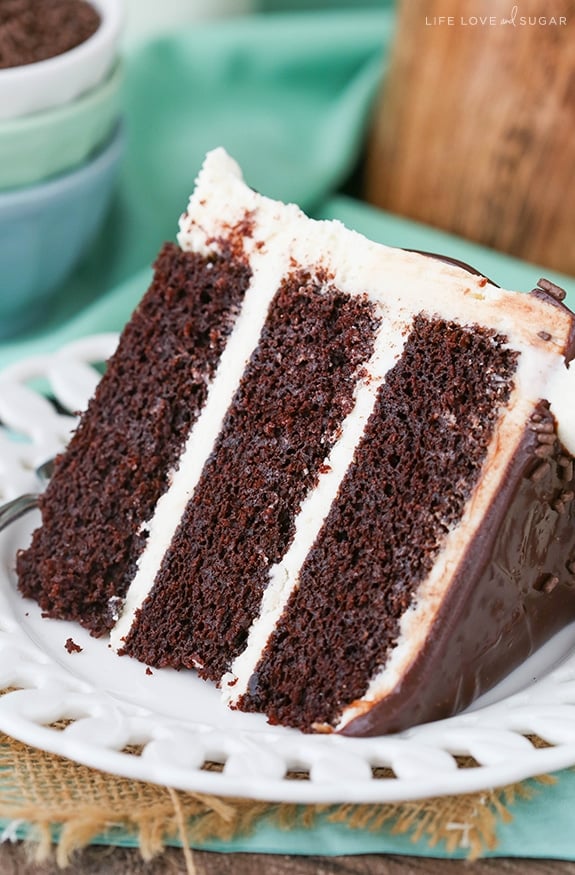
16,508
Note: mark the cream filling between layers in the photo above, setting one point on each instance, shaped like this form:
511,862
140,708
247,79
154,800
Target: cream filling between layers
283,576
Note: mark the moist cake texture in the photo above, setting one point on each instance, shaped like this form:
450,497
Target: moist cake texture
120,458
333,477
241,516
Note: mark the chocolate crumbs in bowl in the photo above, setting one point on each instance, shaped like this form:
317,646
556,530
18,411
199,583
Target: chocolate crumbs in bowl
35,30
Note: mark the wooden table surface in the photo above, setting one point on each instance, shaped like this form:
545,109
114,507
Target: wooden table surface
119,861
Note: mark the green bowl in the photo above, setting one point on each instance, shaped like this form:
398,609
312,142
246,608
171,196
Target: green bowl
37,147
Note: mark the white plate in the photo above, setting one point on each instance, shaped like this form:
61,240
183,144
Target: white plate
177,721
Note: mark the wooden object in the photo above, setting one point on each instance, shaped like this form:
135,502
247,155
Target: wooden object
123,861
475,128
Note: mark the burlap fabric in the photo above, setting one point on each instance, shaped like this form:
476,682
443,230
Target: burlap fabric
66,806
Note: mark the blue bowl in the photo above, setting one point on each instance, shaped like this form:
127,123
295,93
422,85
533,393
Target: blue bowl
44,231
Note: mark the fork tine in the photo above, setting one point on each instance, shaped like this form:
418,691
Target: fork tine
45,470
16,508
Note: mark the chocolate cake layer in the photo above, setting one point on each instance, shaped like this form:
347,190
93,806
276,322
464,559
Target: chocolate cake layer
285,417
413,472
118,462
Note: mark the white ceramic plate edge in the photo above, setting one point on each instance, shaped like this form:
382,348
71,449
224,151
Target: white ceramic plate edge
178,722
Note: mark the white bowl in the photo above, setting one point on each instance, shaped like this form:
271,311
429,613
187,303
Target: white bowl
55,81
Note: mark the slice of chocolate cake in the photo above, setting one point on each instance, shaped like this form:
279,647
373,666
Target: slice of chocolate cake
334,477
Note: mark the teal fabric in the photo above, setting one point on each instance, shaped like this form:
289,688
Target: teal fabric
290,97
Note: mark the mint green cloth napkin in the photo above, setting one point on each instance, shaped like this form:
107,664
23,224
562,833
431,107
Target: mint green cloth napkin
290,97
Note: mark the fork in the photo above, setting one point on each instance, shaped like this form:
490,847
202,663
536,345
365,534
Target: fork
16,508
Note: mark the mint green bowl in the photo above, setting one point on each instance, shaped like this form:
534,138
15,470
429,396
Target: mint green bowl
37,147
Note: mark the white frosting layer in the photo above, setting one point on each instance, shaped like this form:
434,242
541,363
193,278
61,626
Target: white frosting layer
267,274
314,509
401,284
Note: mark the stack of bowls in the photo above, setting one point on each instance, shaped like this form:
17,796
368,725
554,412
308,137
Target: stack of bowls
60,147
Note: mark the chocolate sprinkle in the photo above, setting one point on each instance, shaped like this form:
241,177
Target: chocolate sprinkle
545,427
565,468
544,450
546,583
552,289
539,471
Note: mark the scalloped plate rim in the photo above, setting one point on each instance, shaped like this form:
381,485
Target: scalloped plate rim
517,765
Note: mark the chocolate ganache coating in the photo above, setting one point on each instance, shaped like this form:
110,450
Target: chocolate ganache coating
515,584
455,261
516,581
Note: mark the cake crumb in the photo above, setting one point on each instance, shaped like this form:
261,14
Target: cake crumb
72,647
149,670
